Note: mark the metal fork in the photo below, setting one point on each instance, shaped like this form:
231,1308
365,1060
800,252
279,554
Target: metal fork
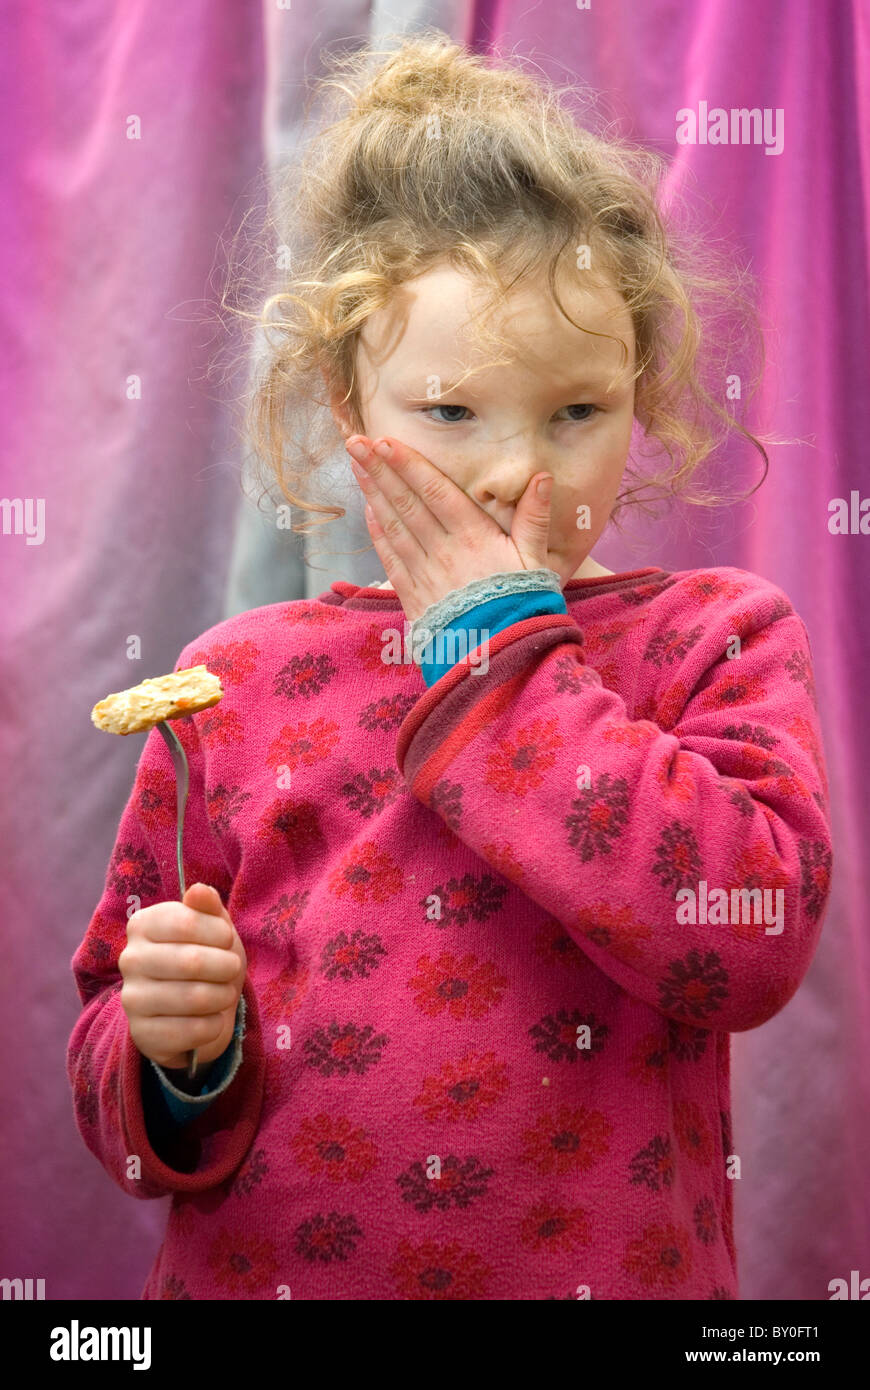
182,782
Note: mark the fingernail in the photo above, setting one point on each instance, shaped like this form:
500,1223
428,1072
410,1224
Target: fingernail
383,449
545,487
358,450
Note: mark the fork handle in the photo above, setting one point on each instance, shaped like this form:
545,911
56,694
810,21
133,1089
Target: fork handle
180,768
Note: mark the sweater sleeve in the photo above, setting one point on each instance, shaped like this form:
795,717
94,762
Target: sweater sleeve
112,1083
637,826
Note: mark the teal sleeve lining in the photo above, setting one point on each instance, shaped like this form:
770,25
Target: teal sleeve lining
164,1103
463,635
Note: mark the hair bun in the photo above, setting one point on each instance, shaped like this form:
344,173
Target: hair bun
421,73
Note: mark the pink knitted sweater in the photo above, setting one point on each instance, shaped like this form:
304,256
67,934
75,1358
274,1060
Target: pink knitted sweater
487,1051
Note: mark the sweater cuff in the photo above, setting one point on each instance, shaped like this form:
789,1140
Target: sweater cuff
183,1107
452,642
464,619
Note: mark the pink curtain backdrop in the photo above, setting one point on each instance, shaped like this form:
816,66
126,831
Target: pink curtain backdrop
109,244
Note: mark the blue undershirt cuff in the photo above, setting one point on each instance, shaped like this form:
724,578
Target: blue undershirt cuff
460,637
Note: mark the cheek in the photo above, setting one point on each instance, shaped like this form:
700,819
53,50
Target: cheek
597,492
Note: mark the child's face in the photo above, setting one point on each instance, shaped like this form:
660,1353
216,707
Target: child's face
505,423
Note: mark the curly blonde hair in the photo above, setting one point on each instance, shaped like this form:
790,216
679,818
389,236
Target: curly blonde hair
428,153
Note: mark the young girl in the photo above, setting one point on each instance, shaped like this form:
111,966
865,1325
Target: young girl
478,901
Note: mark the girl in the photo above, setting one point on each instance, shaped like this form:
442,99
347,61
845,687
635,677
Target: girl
481,899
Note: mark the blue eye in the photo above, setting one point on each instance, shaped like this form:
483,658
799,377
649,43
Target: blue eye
446,407
454,420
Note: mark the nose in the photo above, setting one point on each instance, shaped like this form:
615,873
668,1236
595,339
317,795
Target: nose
499,485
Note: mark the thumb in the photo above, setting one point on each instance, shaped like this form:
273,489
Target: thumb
202,897
530,531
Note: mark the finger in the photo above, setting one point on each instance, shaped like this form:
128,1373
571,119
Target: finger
450,506
530,529
180,922
178,999
394,568
391,536
403,516
204,897
400,552
169,1036
162,961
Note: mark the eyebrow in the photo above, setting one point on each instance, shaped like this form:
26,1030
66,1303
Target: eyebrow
596,384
